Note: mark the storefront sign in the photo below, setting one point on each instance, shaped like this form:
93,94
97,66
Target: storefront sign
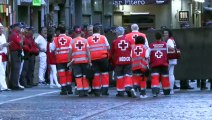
139,2
36,2
24,2
183,16
3,2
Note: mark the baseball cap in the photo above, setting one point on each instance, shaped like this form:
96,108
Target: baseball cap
19,24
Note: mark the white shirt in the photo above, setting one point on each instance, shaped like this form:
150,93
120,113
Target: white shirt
170,43
3,41
42,44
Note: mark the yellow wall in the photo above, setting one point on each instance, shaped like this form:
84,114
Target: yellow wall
162,13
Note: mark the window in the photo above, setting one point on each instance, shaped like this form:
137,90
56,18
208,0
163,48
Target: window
86,7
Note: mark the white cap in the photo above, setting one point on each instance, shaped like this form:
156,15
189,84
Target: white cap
1,25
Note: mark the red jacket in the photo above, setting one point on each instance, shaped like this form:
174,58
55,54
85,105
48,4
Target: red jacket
27,45
121,50
15,39
158,55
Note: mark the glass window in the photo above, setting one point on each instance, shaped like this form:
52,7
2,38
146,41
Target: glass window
86,7
97,5
86,19
108,7
107,21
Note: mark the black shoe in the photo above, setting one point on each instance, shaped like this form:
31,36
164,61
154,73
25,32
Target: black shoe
166,92
192,80
120,94
27,86
63,90
63,93
97,92
188,87
104,91
17,88
204,88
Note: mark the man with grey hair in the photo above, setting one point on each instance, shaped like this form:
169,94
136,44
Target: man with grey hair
122,60
135,33
89,31
132,36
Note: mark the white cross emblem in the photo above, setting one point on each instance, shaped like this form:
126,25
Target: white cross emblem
62,41
158,54
123,45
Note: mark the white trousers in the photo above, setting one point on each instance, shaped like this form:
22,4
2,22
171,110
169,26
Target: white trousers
3,84
53,75
42,68
171,76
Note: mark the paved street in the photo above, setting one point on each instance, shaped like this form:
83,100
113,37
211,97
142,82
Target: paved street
43,103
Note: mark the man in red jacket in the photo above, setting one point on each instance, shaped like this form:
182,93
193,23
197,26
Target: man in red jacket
34,52
159,66
27,49
16,45
122,60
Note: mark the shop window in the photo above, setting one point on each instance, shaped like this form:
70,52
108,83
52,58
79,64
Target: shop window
86,19
144,21
108,7
97,18
107,21
86,7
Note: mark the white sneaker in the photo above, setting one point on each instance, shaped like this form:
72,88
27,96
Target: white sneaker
133,93
172,92
143,96
52,86
161,92
58,85
20,86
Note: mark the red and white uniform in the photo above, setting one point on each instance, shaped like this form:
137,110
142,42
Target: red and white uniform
158,54
79,55
139,63
159,65
99,51
122,60
132,36
121,49
61,46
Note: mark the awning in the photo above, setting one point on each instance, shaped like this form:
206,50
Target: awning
139,2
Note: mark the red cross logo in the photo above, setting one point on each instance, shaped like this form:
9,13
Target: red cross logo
123,45
95,39
62,41
158,54
138,50
134,36
79,45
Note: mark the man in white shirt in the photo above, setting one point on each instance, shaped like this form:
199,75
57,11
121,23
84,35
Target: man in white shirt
3,62
41,42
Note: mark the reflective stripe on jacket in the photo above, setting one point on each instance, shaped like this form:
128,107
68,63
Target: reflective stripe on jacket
62,43
97,46
79,50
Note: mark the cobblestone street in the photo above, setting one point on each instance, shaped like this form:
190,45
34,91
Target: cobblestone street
41,103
